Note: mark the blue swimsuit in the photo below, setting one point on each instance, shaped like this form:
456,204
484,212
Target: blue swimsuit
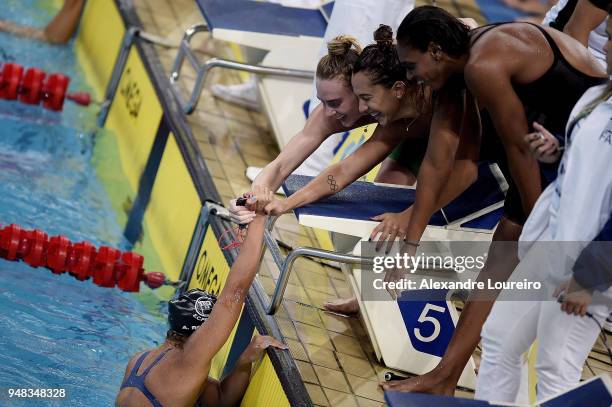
138,381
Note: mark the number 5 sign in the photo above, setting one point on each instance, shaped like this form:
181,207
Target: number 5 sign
429,323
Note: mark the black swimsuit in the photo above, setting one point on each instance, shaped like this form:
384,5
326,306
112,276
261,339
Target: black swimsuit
549,100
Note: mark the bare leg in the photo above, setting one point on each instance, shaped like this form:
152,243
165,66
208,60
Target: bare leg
444,377
393,173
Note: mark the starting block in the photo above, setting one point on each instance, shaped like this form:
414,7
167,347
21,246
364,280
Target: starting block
477,210
410,334
292,38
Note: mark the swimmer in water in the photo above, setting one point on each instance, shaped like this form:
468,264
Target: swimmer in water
176,372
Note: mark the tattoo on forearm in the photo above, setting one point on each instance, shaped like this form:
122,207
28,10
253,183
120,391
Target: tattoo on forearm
332,183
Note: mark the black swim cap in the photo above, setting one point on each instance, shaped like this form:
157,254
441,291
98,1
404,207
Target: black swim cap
190,310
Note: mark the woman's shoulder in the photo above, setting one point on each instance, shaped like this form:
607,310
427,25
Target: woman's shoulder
508,40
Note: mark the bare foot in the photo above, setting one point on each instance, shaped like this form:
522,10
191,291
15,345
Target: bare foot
433,382
346,306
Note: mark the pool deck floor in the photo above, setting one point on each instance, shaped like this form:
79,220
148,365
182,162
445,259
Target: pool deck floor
333,354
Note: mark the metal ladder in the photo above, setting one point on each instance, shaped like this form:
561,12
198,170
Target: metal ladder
202,69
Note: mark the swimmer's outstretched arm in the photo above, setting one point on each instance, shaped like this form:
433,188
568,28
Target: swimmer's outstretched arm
489,80
585,18
202,345
58,31
318,127
450,163
230,390
338,176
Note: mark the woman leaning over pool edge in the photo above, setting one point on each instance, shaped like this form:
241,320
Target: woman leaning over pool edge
504,69
576,208
386,94
338,112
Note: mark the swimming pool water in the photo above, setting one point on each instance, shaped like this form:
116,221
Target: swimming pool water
57,332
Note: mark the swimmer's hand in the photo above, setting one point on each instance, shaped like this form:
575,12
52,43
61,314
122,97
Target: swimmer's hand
576,299
399,271
393,276
240,214
543,145
391,226
256,348
276,207
262,196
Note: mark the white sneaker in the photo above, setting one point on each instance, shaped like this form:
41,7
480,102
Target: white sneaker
244,95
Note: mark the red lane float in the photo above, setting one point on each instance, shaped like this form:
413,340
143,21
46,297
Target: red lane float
10,81
55,91
35,86
107,266
32,86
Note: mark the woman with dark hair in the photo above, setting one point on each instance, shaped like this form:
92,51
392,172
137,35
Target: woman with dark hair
570,213
386,95
338,112
519,73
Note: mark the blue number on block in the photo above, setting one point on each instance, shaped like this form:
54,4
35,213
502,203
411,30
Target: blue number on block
429,323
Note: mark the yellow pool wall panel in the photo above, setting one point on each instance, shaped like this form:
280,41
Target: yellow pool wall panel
97,45
134,116
265,389
133,121
211,269
173,210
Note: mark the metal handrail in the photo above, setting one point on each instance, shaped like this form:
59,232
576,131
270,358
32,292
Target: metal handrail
202,69
285,265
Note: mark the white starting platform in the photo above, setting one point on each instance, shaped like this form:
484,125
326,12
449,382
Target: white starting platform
410,334
292,38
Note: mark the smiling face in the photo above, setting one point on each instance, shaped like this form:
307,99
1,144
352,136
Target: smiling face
378,101
338,100
429,67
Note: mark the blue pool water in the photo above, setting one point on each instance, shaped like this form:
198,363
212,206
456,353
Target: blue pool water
57,332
